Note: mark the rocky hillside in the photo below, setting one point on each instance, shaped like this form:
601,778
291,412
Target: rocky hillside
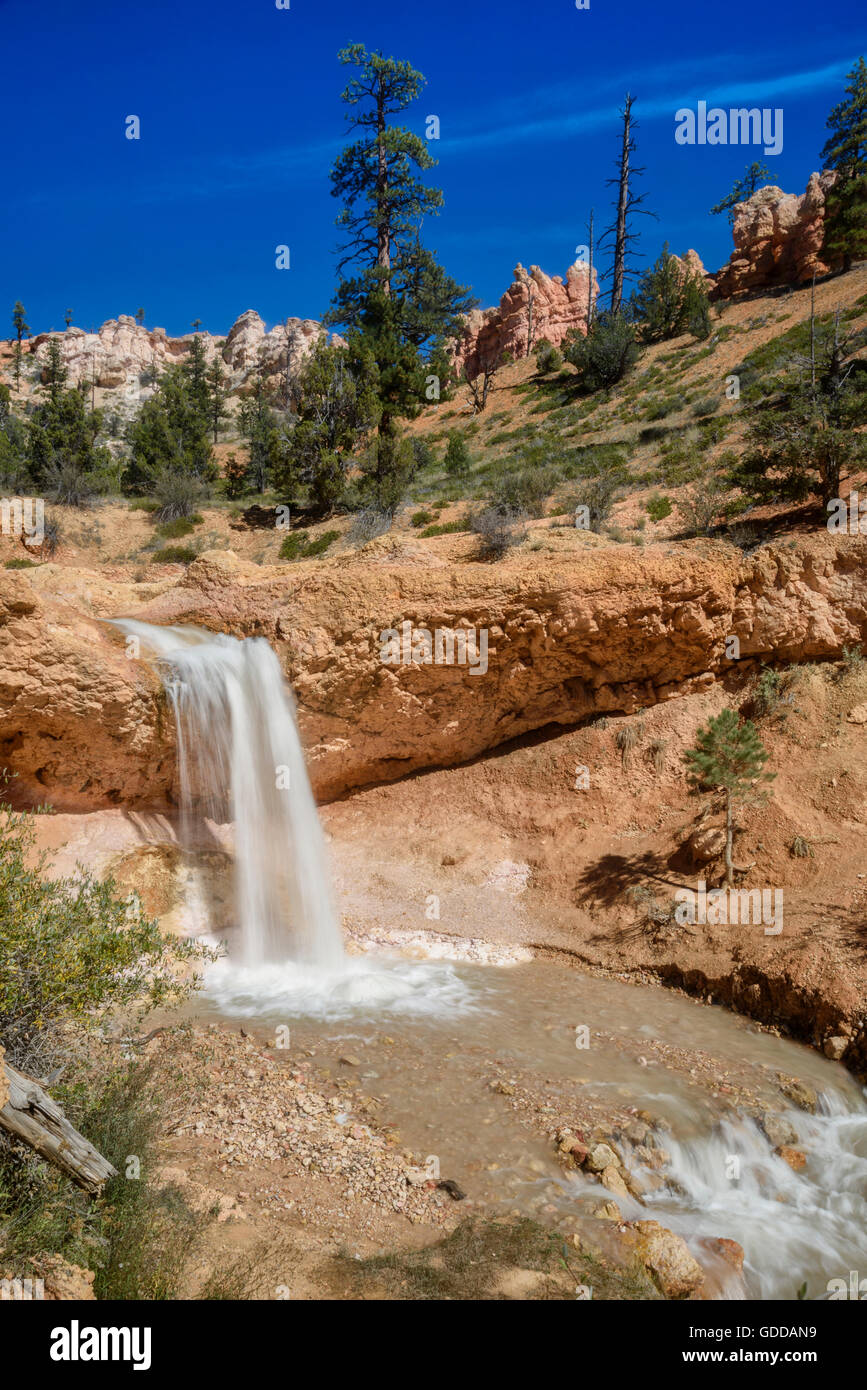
124,359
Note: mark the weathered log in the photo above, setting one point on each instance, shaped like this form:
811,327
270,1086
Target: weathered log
29,1114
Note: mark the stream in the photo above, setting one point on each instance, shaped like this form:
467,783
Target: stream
477,1066
430,1055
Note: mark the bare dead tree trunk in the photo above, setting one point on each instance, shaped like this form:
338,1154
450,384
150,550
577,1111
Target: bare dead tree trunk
813,334
31,1116
480,384
590,274
622,204
729,838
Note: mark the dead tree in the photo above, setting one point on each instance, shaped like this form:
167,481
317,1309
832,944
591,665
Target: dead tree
531,295
479,384
590,272
628,203
31,1116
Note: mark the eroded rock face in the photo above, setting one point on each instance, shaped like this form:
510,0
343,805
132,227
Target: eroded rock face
4,1084
80,724
778,239
568,635
125,357
557,308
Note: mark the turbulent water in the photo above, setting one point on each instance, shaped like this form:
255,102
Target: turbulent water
240,759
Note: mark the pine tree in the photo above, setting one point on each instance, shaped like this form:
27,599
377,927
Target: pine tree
195,369
215,379
56,374
670,299
337,407
605,354
170,434
139,316
64,458
257,424
729,757
806,440
22,330
755,176
846,151
397,299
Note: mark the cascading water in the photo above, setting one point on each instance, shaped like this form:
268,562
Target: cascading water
240,759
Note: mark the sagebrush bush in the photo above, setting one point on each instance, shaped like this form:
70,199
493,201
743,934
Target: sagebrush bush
178,494
499,529
70,485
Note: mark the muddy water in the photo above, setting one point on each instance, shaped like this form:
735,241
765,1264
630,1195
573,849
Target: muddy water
475,1066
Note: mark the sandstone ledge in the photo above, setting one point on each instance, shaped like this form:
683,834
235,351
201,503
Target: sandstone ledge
570,635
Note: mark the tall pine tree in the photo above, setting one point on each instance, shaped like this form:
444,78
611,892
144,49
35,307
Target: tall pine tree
846,152
393,296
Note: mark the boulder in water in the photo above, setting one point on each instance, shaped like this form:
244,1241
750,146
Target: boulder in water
669,1261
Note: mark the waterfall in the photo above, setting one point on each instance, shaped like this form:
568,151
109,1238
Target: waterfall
240,759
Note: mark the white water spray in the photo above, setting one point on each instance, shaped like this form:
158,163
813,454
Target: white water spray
240,759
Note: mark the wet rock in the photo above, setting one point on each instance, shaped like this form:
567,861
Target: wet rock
600,1157
612,1179
636,1186
795,1158
502,1088
654,1158
451,1187
608,1211
637,1132
799,1094
667,1258
728,1250
777,1130
835,1047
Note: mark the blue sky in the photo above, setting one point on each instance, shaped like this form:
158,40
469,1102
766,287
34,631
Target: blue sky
241,119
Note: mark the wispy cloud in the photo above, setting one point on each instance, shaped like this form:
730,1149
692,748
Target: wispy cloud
572,121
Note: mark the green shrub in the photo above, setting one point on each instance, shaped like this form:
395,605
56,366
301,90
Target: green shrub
20,564
658,508
447,528
660,409
422,518
72,949
144,504
548,358
422,455
525,489
298,545
605,355
173,530
174,555
457,457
